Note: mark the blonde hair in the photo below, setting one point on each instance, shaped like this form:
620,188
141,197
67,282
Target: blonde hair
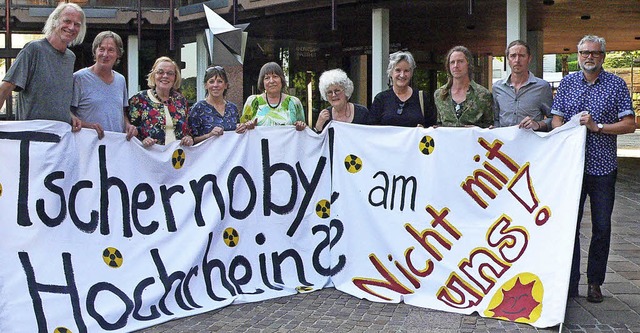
151,79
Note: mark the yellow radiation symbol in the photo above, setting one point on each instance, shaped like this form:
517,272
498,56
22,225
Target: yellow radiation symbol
519,299
60,329
112,257
231,237
304,289
426,145
178,158
322,208
353,163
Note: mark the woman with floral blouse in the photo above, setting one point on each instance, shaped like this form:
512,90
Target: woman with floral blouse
160,112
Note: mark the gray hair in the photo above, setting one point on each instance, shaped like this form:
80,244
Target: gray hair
53,21
335,77
593,39
104,35
272,68
396,57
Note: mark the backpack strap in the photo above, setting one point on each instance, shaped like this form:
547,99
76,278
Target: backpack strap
420,95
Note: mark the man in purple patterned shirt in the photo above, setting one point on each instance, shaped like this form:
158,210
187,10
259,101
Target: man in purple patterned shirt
603,100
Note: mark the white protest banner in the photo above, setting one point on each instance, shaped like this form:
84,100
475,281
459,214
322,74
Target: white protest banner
105,235
459,219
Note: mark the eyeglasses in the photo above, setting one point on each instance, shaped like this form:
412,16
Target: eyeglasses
594,54
335,92
162,73
215,68
400,108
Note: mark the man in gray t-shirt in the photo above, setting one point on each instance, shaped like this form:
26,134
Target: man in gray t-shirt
100,96
42,73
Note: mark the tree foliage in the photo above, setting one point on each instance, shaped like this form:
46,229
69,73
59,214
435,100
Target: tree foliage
189,89
622,59
300,81
572,61
615,59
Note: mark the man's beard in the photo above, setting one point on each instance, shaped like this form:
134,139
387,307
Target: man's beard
592,68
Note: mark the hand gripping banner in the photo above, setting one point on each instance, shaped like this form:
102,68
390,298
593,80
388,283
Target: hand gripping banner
108,236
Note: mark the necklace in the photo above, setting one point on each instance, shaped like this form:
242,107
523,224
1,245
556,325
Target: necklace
347,114
403,94
458,107
155,94
272,106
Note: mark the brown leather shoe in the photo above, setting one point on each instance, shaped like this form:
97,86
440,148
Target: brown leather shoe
594,295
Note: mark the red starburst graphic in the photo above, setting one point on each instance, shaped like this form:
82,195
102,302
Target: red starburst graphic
518,302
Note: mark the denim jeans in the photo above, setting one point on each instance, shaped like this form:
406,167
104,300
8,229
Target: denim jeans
601,191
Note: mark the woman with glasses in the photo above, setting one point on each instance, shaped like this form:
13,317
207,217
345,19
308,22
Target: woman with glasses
461,102
213,115
160,112
402,105
273,107
336,88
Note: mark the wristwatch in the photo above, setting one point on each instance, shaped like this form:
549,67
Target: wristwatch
600,127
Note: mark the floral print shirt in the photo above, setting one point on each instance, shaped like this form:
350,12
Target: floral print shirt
608,101
203,117
147,114
477,109
287,112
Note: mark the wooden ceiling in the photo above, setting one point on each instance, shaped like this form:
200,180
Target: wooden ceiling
437,25
428,26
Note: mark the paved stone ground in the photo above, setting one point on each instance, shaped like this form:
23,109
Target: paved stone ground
329,310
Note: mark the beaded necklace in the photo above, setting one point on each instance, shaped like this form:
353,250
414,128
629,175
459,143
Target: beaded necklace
155,94
271,106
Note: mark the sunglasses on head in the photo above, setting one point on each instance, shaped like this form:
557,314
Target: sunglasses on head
217,68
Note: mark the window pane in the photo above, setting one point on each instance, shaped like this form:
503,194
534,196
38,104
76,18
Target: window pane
14,95
189,73
18,40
